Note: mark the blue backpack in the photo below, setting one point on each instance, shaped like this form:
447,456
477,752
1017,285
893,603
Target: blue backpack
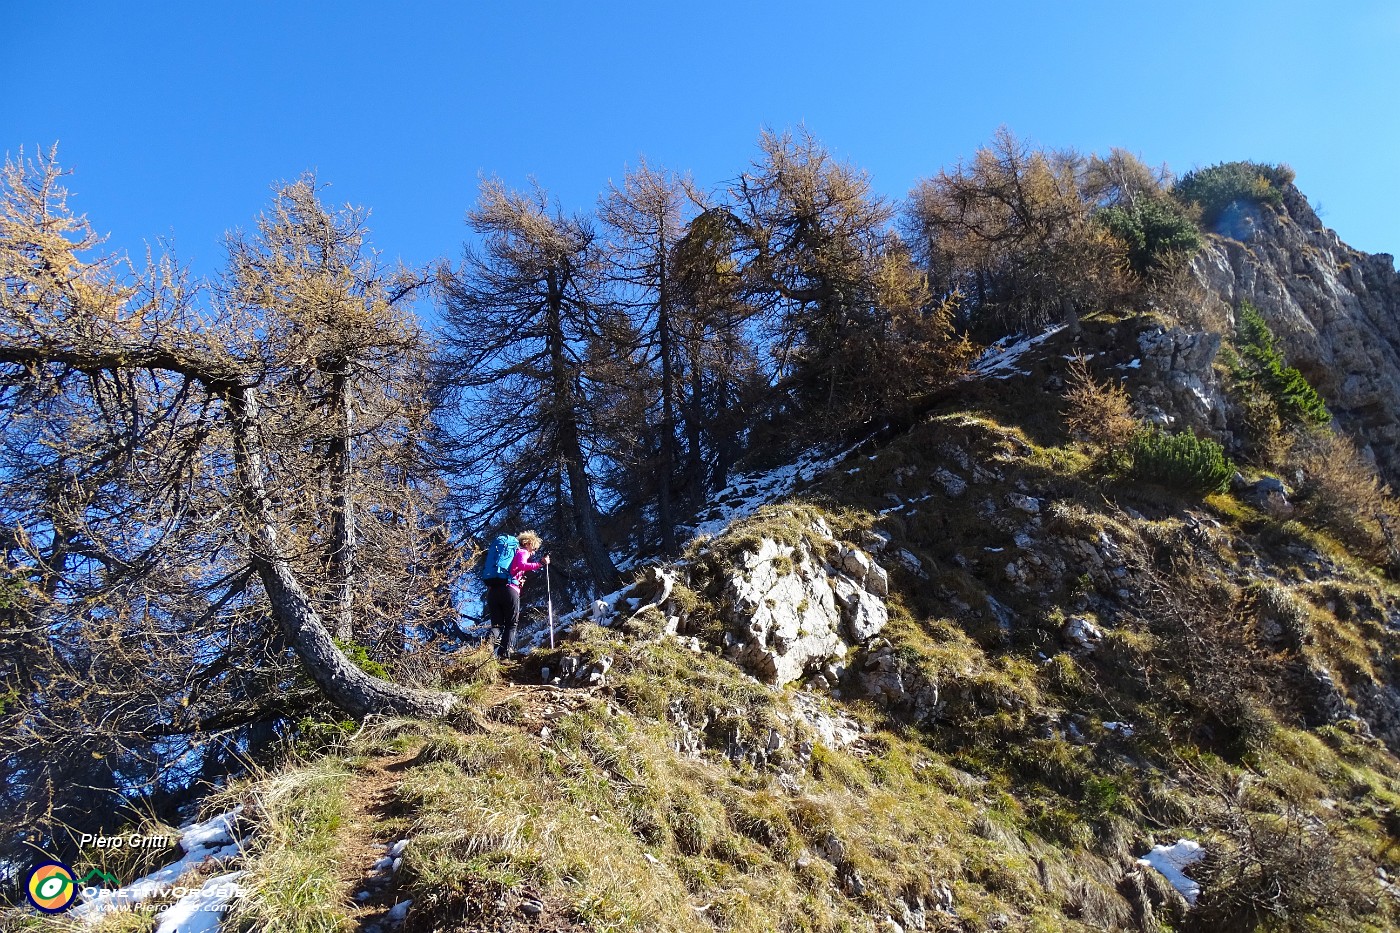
499,557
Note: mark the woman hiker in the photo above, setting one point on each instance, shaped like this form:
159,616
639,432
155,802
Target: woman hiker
503,591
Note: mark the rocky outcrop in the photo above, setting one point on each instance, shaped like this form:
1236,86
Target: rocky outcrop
879,674
1179,386
788,612
1335,311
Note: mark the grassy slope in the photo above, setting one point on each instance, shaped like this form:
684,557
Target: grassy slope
1015,808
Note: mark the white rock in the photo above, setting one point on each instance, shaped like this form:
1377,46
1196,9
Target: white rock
1082,633
855,563
1027,504
877,582
953,485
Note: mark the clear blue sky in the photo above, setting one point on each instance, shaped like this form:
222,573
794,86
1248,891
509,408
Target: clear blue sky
178,116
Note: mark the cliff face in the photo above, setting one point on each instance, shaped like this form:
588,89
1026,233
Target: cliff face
1334,309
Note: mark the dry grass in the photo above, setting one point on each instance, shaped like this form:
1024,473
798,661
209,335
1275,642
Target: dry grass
293,883
1342,493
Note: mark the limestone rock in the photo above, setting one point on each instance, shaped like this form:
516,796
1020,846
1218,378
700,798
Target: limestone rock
1334,310
883,677
1082,634
1178,386
1027,504
863,614
877,581
952,484
855,563
788,614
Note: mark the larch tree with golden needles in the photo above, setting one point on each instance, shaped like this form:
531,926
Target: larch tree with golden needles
186,490
1012,236
845,303
520,313
645,218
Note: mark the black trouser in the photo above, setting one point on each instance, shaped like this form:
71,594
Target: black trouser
503,608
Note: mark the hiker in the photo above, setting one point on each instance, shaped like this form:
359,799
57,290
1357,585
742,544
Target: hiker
507,562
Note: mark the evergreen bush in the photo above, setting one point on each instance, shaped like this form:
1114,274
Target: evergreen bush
1217,187
1180,461
1263,366
1156,232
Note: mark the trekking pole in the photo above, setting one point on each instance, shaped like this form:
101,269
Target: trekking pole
549,600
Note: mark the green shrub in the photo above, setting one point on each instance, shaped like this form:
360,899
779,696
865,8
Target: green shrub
1262,366
1215,188
1156,232
1180,461
359,656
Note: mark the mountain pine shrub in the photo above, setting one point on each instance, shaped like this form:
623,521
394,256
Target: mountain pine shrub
1215,188
1156,232
1179,461
1262,366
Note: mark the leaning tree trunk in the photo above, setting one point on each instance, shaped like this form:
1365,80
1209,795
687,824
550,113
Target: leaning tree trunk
349,688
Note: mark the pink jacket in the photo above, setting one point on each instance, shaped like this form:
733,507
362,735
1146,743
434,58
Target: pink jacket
519,566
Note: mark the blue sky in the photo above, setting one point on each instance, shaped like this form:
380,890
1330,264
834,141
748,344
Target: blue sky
178,117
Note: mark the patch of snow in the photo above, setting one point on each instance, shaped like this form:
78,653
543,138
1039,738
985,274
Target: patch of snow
398,912
999,360
200,911
397,849
212,839
1124,729
748,492
1172,860
213,832
1135,364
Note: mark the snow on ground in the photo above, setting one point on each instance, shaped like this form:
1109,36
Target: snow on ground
1172,861
200,911
212,833
211,839
999,360
749,491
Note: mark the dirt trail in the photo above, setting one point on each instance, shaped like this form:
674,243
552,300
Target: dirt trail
365,837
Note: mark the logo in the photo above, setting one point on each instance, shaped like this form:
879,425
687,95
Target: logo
51,887
100,876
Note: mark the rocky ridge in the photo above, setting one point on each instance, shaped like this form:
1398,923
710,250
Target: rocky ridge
1335,311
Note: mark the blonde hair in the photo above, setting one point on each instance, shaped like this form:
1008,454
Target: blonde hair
529,540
